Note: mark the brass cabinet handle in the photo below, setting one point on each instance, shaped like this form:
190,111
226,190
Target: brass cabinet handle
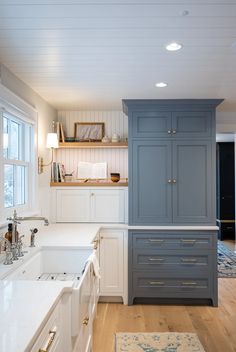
52,335
156,283
188,260
190,283
155,240
156,259
86,321
188,241
95,244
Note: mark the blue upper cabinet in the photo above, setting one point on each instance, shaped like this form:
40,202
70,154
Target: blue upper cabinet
191,124
193,182
149,190
177,124
150,124
171,161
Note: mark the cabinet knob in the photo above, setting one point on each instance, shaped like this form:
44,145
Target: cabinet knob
169,181
174,131
169,131
92,194
174,180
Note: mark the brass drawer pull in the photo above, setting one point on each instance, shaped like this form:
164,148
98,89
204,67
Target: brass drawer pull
95,244
189,283
155,240
156,259
156,283
188,260
188,241
86,321
52,335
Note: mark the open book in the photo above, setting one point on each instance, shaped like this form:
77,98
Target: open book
92,170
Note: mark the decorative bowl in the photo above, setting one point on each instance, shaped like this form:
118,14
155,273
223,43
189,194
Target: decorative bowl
115,177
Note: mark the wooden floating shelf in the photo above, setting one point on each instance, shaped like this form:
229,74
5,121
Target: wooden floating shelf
89,184
95,145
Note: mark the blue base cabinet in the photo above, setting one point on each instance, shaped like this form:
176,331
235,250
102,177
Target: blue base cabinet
174,266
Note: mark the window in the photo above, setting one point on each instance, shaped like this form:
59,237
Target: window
17,161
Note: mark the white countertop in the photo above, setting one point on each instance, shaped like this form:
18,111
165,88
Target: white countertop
24,309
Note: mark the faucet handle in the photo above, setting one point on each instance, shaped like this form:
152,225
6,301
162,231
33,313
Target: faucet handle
33,231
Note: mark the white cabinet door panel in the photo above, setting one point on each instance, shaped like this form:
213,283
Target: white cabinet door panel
73,205
112,263
107,206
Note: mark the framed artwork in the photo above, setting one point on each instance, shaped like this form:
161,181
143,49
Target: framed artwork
89,131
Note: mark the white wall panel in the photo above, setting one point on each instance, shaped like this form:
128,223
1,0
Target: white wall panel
115,122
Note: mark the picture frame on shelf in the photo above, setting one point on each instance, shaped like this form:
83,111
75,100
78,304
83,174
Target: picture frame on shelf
89,131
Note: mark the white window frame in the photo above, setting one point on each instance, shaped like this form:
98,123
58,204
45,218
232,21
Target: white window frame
18,108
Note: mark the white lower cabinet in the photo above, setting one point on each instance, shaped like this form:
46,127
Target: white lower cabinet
88,296
113,263
56,334
89,205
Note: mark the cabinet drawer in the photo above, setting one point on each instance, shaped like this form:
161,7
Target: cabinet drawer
151,285
188,241
167,261
51,333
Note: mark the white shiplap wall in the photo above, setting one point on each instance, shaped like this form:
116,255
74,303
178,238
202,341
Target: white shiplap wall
115,122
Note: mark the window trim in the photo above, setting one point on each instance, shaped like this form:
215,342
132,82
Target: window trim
18,108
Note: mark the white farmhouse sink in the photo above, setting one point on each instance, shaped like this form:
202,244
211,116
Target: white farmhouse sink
52,261
65,260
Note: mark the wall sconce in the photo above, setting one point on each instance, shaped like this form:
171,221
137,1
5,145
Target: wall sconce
52,142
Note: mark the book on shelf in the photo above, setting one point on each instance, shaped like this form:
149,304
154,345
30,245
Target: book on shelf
57,172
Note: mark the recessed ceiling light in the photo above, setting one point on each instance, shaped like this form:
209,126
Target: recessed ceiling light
161,85
173,46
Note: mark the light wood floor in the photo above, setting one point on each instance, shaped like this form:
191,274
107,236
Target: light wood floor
216,327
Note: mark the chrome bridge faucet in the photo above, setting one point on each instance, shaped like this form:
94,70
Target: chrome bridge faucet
16,245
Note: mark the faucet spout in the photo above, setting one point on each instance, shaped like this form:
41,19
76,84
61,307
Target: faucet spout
17,219
28,218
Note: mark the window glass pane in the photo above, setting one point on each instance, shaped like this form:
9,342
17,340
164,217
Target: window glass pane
8,186
5,137
14,140
19,188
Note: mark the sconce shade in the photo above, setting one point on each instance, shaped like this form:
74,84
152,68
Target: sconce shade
52,140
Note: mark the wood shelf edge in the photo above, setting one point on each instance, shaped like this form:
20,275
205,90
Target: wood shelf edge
88,184
93,145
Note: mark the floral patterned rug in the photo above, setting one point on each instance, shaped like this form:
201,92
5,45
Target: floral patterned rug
158,342
226,262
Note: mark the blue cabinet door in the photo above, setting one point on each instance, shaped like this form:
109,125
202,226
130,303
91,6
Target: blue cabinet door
149,189
191,124
193,182
150,124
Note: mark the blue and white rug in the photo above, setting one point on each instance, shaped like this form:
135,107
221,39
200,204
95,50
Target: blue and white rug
226,262
158,342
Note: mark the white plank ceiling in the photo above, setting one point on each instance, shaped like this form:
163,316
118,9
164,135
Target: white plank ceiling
90,54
